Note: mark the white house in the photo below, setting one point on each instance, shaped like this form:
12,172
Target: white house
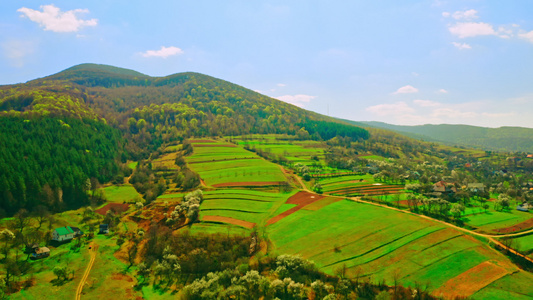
63,234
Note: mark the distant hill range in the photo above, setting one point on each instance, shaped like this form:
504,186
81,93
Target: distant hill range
496,139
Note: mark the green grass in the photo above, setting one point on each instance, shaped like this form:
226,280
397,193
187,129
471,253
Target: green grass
513,286
122,193
246,205
219,165
377,242
133,165
495,219
524,243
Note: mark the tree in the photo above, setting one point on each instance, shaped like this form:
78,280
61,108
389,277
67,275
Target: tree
63,273
503,202
41,214
457,210
7,237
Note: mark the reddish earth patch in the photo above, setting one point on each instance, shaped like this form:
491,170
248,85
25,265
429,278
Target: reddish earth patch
406,202
216,145
301,199
491,200
201,141
248,183
518,227
471,281
229,221
117,207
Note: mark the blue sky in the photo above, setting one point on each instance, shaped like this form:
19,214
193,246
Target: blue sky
401,62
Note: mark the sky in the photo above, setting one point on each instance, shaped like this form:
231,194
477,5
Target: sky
400,62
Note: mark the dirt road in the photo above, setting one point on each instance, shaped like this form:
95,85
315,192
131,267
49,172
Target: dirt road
92,252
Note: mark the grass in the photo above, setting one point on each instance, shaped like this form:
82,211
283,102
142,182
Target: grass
513,286
120,193
492,219
246,205
377,242
220,165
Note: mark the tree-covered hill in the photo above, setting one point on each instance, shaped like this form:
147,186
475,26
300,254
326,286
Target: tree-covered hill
114,114
499,139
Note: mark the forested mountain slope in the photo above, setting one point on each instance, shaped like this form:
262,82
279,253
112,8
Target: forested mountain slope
501,139
60,131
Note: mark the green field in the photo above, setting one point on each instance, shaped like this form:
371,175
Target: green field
246,205
376,242
121,193
231,165
492,219
513,286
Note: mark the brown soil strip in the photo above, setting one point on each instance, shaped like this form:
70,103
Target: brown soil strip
117,207
471,281
405,202
229,221
248,184
518,227
201,141
301,199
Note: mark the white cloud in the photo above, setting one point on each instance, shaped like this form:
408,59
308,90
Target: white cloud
398,108
462,46
17,51
53,19
451,113
528,36
465,15
426,103
442,91
446,14
471,29
281,84
298,100
164,52
408,89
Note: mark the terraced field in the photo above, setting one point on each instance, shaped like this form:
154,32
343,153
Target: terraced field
250,206
358,185
222,164
382,244
493,221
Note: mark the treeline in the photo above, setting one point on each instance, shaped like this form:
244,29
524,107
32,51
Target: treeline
50,161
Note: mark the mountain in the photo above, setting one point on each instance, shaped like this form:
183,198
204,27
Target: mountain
498,139
64,131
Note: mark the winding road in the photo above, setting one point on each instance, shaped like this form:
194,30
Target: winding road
92,252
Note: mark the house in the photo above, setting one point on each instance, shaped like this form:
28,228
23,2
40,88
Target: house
41,252
524,207
104,229
77,231
63,234
476,187
444,187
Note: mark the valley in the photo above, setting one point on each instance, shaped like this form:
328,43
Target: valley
191,187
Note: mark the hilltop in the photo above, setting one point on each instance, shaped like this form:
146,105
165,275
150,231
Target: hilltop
97,117
494,139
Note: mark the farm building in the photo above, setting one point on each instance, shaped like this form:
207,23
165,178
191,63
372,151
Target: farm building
104,229
41,252
476,187
444,187
524,207
63,234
